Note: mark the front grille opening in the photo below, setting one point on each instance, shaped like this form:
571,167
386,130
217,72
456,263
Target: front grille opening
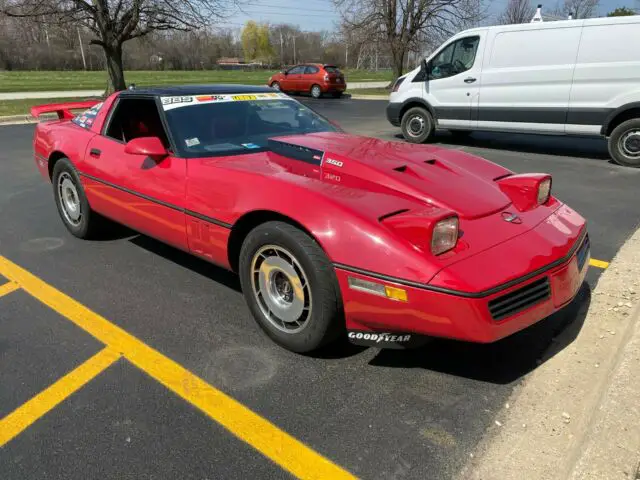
520,299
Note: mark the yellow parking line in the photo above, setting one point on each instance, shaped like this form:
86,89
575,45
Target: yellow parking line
8,288
598,263
289,453
29,412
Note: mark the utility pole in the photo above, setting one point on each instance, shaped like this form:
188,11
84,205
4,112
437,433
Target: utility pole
84,61
281,50
294,49
346,54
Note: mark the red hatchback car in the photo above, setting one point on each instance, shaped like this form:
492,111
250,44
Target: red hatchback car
313,78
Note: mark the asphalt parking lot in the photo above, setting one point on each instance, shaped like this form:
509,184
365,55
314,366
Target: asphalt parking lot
164,336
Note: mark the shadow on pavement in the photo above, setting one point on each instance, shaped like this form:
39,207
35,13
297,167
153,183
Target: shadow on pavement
186,260
502,362
590,148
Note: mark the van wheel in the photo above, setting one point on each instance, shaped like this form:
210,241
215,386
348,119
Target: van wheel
624,143
417,125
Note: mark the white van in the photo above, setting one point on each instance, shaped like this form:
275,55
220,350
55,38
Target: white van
571,77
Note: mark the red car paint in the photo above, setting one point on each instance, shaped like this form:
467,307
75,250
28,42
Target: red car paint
301,78
370,206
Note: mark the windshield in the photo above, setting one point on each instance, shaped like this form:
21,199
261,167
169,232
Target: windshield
208,125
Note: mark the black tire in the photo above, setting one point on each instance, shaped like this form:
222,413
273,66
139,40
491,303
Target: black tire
417,125
460,134
624,143
89,222
316,91
276,86
325,318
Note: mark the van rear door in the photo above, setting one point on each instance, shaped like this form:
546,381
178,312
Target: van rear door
526,77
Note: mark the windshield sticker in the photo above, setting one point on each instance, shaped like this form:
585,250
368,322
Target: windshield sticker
250,145
192,142
86,118
169,103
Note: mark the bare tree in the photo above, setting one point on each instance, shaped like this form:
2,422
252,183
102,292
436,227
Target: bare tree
113,22
517,11
400,23
577,8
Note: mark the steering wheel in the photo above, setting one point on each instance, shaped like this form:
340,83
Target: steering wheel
458,66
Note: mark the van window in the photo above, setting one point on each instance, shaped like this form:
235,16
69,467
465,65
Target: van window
595,49
455,58
534,48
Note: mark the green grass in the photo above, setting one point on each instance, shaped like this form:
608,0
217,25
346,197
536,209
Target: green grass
37,81
21,107
369,91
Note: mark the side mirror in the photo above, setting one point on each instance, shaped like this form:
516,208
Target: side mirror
147,146
424,68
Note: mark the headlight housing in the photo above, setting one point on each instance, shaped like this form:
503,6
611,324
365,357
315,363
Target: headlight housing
544,191
445,235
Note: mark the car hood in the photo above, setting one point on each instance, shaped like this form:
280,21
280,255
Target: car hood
426,175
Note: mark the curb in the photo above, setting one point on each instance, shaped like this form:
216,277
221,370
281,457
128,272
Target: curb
16,119
364,96
576,415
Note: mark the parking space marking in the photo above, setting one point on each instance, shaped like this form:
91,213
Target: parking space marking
598,263
27,413
277,445
8,288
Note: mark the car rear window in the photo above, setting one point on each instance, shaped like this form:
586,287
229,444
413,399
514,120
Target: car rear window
332,69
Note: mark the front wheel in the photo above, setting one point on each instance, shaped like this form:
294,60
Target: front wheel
417,125
624,143
71,201
275,86
290,287
316,91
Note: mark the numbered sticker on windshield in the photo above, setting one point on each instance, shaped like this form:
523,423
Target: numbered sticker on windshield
173,102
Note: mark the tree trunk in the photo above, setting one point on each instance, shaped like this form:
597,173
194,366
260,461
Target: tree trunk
397,61
113,57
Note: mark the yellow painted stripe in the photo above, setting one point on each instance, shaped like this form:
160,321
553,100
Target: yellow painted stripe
279,446
8,288
598,263
29,412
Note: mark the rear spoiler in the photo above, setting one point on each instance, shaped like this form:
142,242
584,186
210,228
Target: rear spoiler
63,109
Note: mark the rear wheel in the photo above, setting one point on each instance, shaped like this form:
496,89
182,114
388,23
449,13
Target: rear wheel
290,287
417,125
316,91
624,143
71,201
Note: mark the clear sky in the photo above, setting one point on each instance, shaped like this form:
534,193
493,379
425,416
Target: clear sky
315,15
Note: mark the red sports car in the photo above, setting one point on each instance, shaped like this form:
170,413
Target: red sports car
331,234
314,78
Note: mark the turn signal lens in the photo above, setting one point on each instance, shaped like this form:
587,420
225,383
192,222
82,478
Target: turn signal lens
445,235
375,288
544,191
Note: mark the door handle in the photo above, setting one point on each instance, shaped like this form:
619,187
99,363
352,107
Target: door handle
469,80
94,152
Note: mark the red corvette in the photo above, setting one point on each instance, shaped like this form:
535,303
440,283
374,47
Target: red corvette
331,234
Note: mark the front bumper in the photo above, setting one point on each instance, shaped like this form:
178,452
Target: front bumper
481,319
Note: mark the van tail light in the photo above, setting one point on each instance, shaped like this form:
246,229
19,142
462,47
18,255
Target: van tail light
396,85
527,191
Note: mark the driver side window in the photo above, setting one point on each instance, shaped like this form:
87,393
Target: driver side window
455,58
